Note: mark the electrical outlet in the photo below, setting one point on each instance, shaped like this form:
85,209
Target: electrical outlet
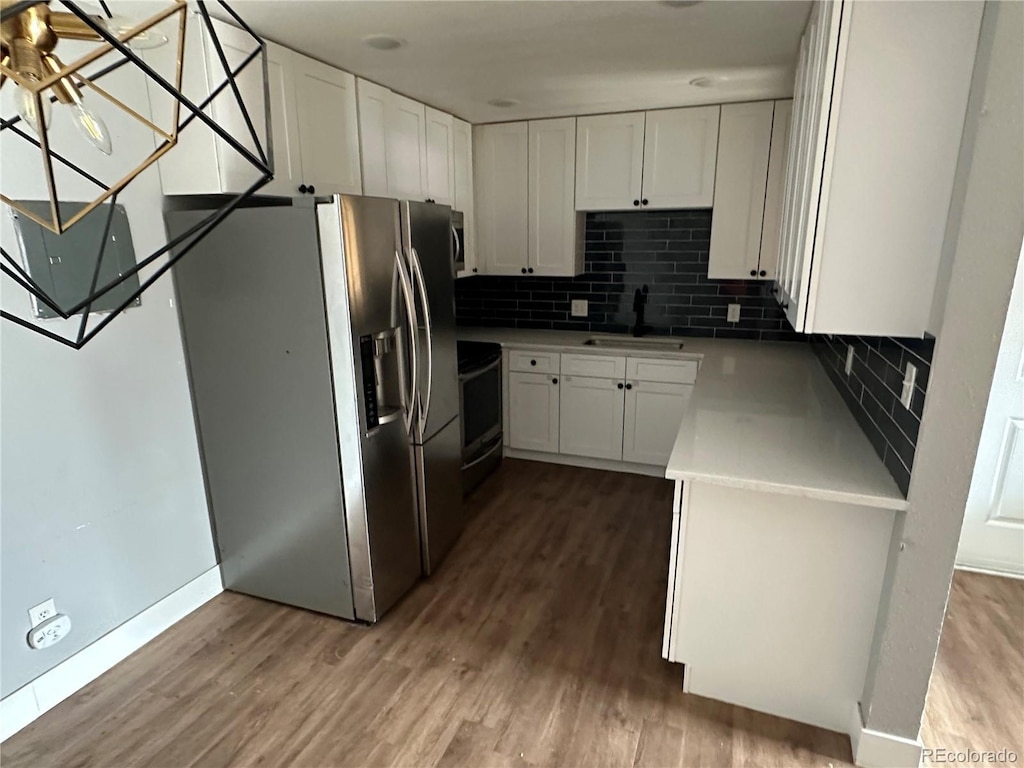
733,315
50,632
40,613
849,358
579,308
909,379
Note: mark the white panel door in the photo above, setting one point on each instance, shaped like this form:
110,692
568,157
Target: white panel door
533,411
373,107
236,172
653,413
741,178
406,137
500,184
771,227
680,146
590,417
552,189
609,161
440,184
328,127
462,164
993,530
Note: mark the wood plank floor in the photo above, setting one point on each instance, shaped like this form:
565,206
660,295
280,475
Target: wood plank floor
537,643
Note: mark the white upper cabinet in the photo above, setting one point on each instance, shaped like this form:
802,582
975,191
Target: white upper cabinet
743,148
328,127
440,165
462,165
501,160
659,159
405,134
373,106
870,171
553,247
312,117
771,228
680,146
609,161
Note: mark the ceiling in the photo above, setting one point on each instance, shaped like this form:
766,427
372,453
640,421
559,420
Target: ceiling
565,57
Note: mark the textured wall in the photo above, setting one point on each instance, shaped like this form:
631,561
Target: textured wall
872,392
665,250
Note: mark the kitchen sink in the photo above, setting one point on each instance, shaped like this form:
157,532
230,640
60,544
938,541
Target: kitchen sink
660,345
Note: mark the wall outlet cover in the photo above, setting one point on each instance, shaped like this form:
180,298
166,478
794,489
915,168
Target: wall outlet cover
37,614
579,308
909,379
50,632
849,358
733,315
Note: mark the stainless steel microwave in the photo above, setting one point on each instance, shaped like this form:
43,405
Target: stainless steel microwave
458,241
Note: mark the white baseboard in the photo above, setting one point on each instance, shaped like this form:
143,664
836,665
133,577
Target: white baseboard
991,571
874,749
51,688
585,462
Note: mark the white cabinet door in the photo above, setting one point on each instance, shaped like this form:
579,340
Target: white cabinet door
653,413
373,108
462,144
406,140
328,127
440,184
609,161
680,147
552,188
533,411
742,176
590,417
772,225
500,184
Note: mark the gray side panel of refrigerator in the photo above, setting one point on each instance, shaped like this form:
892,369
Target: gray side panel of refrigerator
427,228
251,303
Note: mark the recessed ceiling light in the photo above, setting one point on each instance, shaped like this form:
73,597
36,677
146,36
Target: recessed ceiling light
383,42
680,3
503,103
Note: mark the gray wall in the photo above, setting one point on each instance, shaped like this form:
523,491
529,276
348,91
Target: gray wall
988,243
102,504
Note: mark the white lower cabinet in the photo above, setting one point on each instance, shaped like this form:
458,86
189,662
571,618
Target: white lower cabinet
533,411
590,417
653,412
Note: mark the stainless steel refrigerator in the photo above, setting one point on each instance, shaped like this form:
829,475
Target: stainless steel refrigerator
303,348
427,238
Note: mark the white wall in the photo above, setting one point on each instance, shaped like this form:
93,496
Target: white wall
102,505
987,246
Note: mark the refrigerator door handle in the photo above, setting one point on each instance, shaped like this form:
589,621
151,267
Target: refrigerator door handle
421,284
410,311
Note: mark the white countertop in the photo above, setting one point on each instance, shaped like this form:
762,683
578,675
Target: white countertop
763,416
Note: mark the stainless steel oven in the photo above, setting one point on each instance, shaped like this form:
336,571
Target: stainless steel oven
458,241
481,408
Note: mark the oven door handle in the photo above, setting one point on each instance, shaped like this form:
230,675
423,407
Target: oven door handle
464,377
487,454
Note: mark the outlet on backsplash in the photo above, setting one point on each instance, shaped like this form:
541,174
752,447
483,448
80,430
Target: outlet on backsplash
579,307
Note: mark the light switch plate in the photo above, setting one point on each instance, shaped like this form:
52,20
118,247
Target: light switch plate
909,379
579,308
733,315
849,358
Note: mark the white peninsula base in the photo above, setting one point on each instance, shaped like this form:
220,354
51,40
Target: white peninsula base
772,598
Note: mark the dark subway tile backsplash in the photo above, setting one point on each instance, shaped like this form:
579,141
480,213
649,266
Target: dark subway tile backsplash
665,250
872,392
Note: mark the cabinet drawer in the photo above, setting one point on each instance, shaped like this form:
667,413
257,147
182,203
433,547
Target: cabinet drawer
598,366
532,361
668,371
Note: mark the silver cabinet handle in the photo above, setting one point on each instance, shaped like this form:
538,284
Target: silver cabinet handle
417,272
410,311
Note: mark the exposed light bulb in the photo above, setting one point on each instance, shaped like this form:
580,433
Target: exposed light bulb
150,38
92,127
25,102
